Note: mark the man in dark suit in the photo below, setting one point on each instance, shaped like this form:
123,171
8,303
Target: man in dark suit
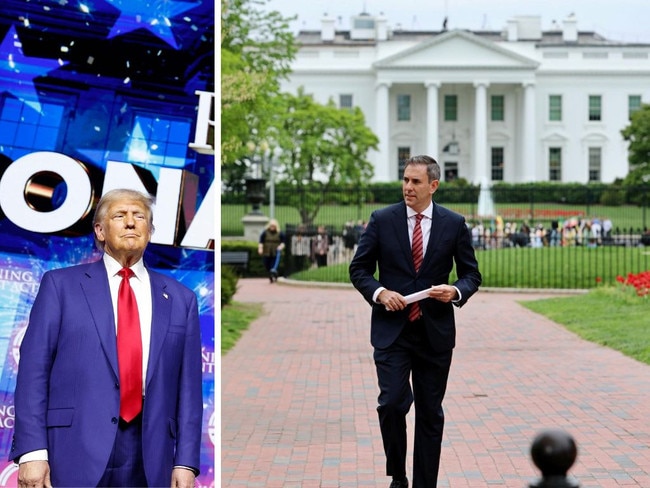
82,417
414,339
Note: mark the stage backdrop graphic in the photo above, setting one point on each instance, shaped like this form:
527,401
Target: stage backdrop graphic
96,95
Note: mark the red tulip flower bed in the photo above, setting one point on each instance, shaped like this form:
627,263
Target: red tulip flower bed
640,282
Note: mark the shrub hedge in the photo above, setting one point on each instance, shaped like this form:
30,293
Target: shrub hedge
229,279
461,191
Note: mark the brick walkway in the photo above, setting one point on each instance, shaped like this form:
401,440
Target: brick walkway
299,396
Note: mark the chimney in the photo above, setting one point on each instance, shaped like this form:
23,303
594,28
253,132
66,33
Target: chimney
381,25
327,29
570,29
512,30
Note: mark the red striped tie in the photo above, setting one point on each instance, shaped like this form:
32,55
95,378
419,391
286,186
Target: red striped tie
129,349
418,256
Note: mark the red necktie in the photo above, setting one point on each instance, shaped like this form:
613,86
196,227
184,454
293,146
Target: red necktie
129,349
418,256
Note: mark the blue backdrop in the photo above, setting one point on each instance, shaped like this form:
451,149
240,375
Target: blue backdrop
97,94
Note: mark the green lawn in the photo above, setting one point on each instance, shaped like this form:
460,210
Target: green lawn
235,319
612,316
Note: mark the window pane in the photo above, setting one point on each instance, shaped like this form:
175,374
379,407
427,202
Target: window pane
345,101
8,132
498,107
634,104
451,108
47,137
403,107
159,140
555,108
11,109
25,136
595,158
179,132
555,163
451,171
52,115
594,107
497,164
403,153
28,129
364,24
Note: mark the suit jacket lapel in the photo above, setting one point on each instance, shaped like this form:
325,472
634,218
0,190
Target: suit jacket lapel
434,236
94,284
401,231
161,302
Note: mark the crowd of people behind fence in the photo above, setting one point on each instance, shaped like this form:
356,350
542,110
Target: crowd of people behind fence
571,232
321,246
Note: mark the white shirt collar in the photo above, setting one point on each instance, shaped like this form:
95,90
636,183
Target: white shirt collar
113,267
427,212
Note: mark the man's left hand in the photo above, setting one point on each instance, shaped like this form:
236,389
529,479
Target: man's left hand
182,478
443,293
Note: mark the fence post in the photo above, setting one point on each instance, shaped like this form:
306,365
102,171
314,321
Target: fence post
554,452
645,204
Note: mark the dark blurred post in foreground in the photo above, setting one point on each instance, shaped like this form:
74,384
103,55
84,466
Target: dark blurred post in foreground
554,452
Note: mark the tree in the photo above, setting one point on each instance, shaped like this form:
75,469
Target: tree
257,48
321,147
637,133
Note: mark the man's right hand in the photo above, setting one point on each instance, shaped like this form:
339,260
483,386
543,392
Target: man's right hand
34,474
392,300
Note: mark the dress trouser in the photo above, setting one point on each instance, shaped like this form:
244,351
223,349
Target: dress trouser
411,355
125,466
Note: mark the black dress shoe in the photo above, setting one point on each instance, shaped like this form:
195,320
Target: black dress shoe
396,483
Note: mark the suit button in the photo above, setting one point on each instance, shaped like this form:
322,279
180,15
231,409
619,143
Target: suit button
114,420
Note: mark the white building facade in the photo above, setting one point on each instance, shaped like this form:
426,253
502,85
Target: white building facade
519,105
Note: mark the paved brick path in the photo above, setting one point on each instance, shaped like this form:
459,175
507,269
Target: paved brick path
299,396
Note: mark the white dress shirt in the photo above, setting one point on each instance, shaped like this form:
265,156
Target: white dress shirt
142,289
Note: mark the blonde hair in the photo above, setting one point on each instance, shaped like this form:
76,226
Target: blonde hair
273,222
117,195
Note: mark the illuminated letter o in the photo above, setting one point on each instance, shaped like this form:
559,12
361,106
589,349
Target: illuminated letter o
15,185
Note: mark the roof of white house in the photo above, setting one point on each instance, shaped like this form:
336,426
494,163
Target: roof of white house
519,29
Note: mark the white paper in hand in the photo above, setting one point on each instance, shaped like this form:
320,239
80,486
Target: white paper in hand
417,296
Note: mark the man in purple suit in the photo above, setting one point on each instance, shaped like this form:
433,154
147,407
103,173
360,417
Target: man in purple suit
70,427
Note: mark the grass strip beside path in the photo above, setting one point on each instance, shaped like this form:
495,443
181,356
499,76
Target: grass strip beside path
611,316
235,319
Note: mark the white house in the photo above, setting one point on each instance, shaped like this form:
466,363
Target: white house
521,104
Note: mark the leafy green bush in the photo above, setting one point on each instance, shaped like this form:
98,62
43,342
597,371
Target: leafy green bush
613,197
229,279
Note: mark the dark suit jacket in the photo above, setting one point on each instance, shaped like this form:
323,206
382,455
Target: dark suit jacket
67,393
385,244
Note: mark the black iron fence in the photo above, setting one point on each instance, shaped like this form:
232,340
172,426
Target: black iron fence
536,236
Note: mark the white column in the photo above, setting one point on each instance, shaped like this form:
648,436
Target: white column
382,128
480,133
432,119
528,153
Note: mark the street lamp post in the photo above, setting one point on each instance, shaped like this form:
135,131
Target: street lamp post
272,159
254,221
255,186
